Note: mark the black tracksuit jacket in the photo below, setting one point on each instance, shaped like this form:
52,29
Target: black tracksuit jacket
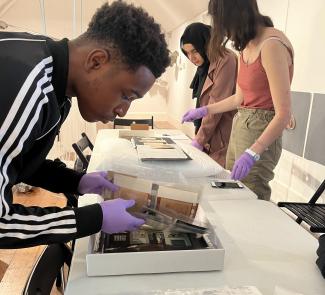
33,105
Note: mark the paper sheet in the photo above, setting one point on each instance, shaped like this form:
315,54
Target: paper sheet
149,152
158,148
180,136
244,290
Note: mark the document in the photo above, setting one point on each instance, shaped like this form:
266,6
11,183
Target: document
244,290
158,148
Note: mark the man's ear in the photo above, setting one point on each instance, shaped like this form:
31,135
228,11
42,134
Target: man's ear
96,59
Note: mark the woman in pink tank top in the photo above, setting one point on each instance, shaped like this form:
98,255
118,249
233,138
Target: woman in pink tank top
262,94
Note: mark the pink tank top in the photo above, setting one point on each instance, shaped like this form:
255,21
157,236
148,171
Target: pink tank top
254,84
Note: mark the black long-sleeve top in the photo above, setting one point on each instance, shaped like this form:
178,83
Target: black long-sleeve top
33,105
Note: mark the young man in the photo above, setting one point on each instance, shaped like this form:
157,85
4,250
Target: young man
114,62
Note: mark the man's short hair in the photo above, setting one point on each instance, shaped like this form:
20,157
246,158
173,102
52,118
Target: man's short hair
133,33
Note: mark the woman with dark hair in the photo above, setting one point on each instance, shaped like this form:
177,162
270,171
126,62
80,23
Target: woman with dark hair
262,93
211,83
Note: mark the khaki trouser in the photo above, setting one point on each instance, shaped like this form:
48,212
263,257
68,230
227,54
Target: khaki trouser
248,125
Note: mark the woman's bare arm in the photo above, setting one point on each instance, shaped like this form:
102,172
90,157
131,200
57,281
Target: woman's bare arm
276,61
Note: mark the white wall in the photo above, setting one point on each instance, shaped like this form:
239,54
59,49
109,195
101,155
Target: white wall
277,10
154,103
306,29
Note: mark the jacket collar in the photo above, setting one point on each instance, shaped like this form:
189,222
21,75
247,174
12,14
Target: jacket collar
208,81
60,52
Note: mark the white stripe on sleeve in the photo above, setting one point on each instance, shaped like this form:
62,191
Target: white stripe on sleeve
54,215
22,121
62,231
36,227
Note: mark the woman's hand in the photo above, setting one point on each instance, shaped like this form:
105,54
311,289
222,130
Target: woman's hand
195,114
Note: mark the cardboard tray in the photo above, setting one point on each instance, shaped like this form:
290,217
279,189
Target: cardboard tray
123,263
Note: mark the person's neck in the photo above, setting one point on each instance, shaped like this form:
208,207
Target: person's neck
74,60
259,36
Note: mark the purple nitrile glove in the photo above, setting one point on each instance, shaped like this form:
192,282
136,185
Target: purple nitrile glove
196,145
95,183
115,217
194,114
242,166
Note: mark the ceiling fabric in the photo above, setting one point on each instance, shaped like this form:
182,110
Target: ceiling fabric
69,18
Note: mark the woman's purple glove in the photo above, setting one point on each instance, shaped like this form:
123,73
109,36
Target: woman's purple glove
115,217
95,183
194,114
196,145
242,166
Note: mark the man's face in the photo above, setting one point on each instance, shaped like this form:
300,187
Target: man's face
108,89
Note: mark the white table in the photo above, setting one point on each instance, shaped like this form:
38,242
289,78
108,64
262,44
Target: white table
264,248
208,193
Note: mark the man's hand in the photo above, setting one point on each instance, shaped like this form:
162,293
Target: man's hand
95,183
115,217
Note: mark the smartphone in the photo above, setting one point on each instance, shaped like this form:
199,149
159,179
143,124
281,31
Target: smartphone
226,184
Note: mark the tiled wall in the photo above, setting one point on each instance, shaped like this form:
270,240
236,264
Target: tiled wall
301,167
315,145
294,139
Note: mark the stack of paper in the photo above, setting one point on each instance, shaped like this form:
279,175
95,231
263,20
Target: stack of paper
158,148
